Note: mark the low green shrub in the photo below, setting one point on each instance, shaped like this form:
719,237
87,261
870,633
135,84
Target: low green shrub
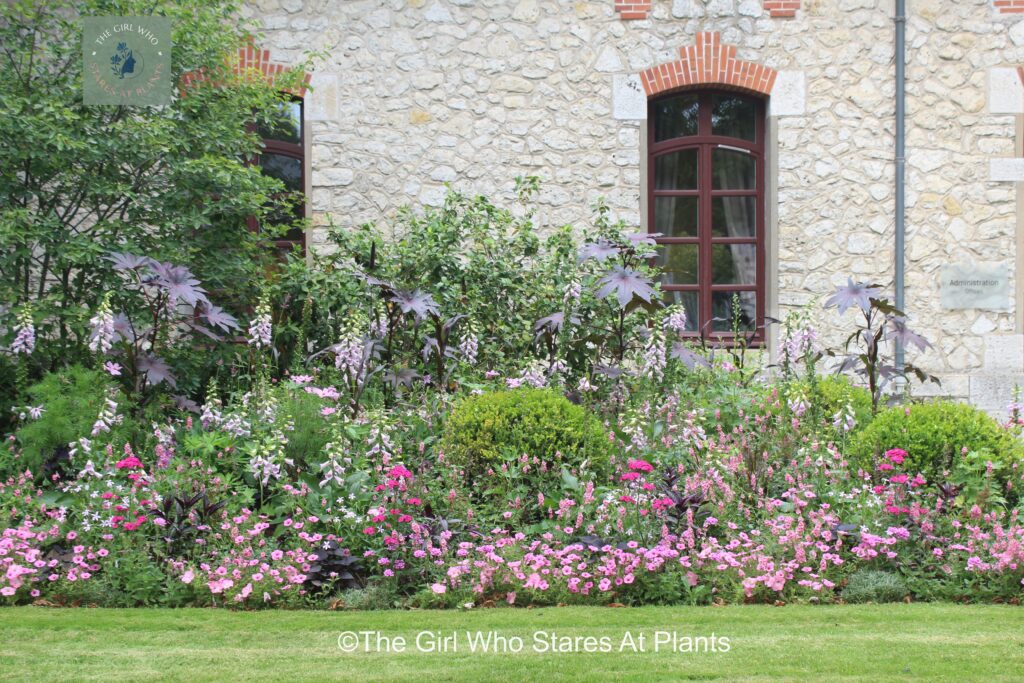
870,585
379,595
933,435
482,431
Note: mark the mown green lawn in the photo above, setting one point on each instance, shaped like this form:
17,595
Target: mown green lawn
869,643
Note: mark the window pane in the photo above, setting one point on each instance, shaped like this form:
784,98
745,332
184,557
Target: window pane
294,234
676,171
286,169
733,216
689,302
675,216
733,116
678,263
287,215
734,264
732,170
285,123
722,307
675,117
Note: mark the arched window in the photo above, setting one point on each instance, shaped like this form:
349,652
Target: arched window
705,196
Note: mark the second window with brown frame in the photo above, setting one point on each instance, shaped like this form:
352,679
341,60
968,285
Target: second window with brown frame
283,157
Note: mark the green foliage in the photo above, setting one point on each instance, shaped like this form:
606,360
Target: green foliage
78,182
472,257
933,435
132,579
870,585
309,434
72,400
482,430
834,393
831,406
8,393
980,479
666,588
470,286
379,595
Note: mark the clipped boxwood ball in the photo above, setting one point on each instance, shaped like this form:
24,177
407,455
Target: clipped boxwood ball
933,435
482,430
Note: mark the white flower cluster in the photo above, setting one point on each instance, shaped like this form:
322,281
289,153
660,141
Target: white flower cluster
267,460
261,328
675,320
381,446
653,359
469,347
845,419
536,375
103,334
108,416
25,338
333,468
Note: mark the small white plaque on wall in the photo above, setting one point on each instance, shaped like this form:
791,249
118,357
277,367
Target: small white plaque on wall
1005,92
970,285
322,99
629,101
789,95
1006,169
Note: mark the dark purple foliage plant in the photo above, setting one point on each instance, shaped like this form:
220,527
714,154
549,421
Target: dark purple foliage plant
163,306
866,348
603,318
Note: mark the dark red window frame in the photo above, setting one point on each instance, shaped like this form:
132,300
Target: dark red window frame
294,150
705,142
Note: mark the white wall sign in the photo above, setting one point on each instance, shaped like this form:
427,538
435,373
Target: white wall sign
975,286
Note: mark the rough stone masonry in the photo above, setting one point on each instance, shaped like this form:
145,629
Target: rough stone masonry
415,94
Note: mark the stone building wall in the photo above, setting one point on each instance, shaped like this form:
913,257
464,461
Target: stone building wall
418,93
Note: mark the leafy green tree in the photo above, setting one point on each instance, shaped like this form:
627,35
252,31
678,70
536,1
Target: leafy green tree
174,183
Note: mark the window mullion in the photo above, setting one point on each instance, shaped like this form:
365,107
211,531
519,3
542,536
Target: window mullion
704,234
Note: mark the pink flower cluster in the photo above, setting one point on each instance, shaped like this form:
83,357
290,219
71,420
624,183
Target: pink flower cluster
897,489
29,557
254,568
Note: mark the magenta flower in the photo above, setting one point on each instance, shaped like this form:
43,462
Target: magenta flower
399,472
896,455
129,463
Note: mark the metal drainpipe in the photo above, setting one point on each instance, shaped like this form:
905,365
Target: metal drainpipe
901,47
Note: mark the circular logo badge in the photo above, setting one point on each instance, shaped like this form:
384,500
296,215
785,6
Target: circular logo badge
126,63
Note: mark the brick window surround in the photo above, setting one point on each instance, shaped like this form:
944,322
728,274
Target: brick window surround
254,62
631,10
251,60
709,63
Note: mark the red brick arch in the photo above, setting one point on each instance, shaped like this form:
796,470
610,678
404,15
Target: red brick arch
254,61
1010,6
639,9
708,62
